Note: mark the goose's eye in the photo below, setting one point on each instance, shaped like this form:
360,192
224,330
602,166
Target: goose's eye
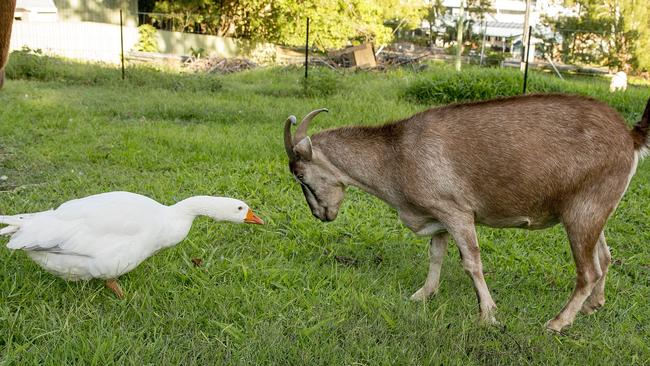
240,208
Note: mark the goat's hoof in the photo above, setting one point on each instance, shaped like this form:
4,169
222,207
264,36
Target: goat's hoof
489,319
486,313
556,325
422,294
590,307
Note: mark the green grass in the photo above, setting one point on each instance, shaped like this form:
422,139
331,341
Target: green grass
295,291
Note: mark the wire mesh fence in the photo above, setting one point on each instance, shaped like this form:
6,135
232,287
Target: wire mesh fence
79,35
95,34
576,51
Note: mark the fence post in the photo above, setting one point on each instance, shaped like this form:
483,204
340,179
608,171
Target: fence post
307,49
459,36
483,42
530,32
122,43
525,36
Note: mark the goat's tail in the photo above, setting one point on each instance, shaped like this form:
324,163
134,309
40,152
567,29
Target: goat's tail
640,132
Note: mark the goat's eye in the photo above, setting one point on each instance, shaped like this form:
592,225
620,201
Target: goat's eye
300,176
240,208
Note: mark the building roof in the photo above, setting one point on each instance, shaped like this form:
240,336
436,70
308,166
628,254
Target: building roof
36,5
500,29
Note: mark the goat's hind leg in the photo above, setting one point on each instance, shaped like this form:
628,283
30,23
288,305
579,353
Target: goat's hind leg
583,237
437,251
597,297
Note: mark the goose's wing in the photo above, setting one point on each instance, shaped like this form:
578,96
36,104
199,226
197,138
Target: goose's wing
90,225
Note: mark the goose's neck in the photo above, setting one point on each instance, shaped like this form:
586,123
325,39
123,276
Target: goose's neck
199,206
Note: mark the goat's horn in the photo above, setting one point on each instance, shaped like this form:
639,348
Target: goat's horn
301,131
288,145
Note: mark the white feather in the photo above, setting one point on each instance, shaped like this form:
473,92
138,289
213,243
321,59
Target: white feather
109,234
9,230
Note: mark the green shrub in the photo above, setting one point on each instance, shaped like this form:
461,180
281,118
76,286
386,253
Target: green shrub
147,41
455,87
27,63
197,52
443,85
476,84
320,82
494,58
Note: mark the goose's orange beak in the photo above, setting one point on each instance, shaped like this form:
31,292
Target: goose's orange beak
251,218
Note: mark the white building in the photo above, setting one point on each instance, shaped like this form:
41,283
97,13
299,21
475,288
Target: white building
504,26
36,11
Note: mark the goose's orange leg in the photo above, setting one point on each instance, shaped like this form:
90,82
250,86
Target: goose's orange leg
115,287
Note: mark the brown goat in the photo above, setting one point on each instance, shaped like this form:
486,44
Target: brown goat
7,8
526,162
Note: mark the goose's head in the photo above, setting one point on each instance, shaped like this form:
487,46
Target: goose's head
220,209
236,211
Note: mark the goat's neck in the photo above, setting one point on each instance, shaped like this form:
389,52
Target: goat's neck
363,157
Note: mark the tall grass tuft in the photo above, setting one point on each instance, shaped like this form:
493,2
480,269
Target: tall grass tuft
28,64
476,84
443,85
321,82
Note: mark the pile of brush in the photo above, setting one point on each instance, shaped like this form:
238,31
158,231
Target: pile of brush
220,65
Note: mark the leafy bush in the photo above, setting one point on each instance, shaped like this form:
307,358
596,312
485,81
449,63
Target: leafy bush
33,65
198,52
25,64
320,82
442,85
147,41
494,58
476,84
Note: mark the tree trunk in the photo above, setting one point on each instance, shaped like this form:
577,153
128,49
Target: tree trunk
459,35
7,8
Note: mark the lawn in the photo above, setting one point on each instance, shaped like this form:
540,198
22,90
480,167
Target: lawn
296,290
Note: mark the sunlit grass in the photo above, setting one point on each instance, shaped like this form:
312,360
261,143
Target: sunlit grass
295,291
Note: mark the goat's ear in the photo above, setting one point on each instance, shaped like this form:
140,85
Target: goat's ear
303,148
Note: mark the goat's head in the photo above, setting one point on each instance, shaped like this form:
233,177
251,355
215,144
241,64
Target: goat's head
318,178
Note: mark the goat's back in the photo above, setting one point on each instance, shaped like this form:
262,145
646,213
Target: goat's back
519,156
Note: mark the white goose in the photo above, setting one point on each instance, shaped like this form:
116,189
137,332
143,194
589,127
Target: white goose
109,234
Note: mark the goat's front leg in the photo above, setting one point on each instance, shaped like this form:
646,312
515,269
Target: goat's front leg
437,251
465,236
